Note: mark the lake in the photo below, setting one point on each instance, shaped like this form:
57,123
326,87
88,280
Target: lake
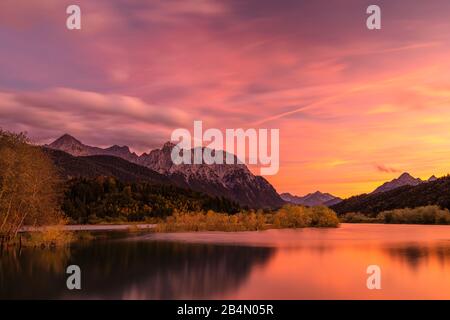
272,264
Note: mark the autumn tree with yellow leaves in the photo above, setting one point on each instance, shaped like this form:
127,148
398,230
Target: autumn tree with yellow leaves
29,186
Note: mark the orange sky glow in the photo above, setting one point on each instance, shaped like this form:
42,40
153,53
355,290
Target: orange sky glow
354,107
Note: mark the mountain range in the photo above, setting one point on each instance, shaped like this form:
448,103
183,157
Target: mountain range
76,148
103,165
233,181
312,199
434,192
405,179
325,199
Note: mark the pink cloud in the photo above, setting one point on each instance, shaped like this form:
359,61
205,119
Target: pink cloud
385,169
100,119
344,98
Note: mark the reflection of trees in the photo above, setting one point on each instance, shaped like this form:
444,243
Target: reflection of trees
132,269
416,254
25,273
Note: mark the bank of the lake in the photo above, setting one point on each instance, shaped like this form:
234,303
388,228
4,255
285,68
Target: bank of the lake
93,227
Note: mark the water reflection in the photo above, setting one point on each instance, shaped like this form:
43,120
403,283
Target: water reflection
417,255
130,270
274,264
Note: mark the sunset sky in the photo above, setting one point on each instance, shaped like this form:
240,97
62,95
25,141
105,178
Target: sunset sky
354,107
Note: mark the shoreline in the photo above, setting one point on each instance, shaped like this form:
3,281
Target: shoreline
93,227
149,226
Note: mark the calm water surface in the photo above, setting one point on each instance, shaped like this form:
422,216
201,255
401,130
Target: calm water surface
273,264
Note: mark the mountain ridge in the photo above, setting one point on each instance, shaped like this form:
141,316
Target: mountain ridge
233,181
311,199
69,167
405,179
434,192
75,147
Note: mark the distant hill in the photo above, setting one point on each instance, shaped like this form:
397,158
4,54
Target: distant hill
312,199
435,192
107,199
76,148
405,179
94,166
332,202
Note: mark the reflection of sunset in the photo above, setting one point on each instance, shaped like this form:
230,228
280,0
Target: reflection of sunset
274,264
355,107
341,275
332,263
337,270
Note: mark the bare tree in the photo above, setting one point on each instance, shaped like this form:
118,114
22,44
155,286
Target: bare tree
29,185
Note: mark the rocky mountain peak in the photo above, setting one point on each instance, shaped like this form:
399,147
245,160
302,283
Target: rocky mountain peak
405,179
65,140
119,148
406,176
168,146
232,181
69,144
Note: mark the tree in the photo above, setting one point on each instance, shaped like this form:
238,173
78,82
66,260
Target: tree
29,185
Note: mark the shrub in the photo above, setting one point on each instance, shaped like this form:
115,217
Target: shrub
49,237
289,216
292,216
323,217
419,215
211,221
357,217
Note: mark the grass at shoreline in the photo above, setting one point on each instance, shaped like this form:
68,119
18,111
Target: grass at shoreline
49,238
289,216
427,215
58,237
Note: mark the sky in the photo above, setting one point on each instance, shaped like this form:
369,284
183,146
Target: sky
355,107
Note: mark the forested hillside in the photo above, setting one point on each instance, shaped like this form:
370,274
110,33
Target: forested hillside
432,193
109,199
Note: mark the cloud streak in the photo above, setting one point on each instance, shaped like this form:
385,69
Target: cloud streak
385,169
97,118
